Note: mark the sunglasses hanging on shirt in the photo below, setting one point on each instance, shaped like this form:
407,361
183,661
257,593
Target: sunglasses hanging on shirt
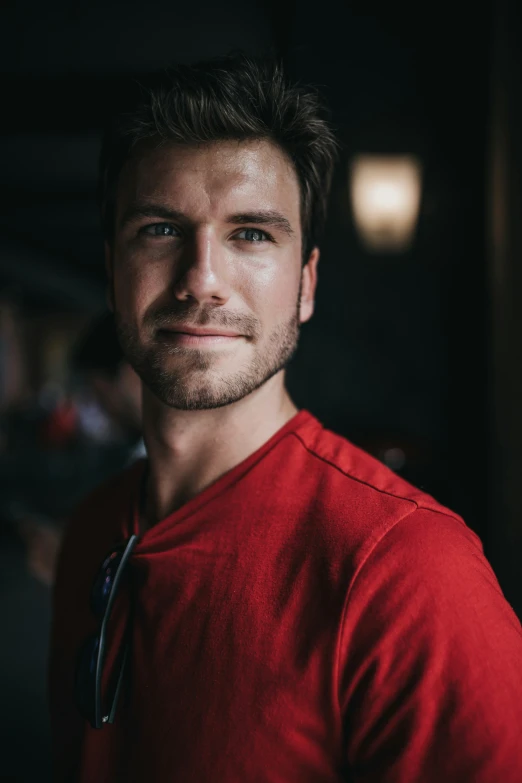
89,669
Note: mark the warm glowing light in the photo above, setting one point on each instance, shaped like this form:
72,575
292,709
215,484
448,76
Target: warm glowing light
385,193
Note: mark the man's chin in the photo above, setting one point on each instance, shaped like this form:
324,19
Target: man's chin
195,390
198,400
194,365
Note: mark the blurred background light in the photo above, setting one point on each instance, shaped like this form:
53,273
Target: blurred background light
385,194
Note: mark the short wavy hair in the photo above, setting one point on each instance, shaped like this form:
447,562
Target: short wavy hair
231,97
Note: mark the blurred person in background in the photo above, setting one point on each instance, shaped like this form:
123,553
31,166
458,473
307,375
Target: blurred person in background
259,600
99,364
112,423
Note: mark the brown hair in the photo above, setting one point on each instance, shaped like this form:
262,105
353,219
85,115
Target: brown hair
232,97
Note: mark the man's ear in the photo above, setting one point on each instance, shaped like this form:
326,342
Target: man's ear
308,286
109,291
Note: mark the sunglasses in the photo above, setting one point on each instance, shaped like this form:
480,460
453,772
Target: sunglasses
89,668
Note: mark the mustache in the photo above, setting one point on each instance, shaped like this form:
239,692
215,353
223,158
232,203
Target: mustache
168,316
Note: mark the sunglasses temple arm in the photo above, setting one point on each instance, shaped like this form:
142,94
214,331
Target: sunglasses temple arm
121,675
98,718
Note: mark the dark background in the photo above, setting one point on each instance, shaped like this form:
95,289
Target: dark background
416,351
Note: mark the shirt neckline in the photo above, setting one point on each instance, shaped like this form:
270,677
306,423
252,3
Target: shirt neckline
301,418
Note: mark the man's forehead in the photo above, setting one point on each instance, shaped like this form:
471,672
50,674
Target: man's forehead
222,164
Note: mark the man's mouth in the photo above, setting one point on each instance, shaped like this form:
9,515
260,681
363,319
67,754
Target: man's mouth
198,336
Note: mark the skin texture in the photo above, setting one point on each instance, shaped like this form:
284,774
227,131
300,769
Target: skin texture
208,236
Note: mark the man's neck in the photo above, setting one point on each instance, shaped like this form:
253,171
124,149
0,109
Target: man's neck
189,450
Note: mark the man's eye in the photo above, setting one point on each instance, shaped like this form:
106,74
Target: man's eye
160,230
253,235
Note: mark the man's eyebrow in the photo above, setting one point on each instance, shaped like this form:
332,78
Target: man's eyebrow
264,218
149,210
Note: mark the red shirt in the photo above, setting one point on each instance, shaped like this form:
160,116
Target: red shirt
308,618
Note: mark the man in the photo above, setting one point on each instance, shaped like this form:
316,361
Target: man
290,611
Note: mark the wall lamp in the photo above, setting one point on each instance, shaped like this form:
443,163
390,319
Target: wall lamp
385,193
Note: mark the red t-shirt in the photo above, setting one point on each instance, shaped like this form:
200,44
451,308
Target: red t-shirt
308,618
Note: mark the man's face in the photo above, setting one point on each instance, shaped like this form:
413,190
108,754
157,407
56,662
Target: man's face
208,238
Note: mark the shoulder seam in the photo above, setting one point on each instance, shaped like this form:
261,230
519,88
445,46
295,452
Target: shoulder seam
373,548
349,591
442,511
350,475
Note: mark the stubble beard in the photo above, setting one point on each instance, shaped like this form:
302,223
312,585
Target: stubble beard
193,384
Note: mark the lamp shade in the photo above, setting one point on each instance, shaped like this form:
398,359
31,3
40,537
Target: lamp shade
385,194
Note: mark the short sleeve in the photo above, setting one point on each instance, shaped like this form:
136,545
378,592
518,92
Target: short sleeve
430,664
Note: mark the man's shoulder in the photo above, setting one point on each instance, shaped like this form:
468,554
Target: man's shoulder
357,497
98,523
340,464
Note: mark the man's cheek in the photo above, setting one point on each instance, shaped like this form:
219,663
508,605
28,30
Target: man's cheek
281,302
273,288
135,290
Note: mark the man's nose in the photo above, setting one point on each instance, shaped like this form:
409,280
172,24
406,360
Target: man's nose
202,271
